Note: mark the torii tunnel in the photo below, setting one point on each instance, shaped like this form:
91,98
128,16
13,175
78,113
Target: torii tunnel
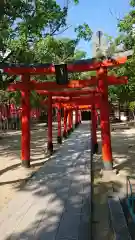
78,87
73,105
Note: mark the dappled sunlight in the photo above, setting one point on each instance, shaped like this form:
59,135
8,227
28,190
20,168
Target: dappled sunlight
113,184
103,188
10,146
123,148
55,198
12,174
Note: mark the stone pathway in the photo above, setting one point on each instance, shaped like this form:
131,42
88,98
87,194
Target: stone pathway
54,204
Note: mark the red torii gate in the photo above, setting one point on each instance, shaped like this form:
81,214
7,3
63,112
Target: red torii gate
78,66
34,85
94,143
82,100
85,107
73,104
102,81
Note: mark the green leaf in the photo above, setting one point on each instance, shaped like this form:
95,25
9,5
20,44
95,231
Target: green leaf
84,32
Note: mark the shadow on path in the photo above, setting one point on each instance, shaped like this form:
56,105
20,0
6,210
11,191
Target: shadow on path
10,148
55,203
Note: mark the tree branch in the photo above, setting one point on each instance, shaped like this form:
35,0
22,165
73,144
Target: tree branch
62,31
7,57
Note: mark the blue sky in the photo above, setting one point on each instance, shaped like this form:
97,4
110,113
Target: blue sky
97,13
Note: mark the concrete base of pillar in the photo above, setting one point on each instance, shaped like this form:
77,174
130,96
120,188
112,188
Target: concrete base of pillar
59,139
108,175
26,163
50,148
108,165
65,134
95,148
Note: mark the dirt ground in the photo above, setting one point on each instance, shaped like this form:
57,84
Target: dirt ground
12,175
108,184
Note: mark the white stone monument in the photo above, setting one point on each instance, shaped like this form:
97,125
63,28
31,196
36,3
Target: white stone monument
99,44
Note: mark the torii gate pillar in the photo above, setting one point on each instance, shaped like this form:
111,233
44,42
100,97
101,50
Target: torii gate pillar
94,130
76,117
80,113
72,123
65,123
50,144
25,122
59,138
79,117
105,122
69,122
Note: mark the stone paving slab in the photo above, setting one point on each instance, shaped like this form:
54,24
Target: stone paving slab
52,205
118,221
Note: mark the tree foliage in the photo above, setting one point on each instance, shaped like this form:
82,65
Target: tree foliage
126,41
28,30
